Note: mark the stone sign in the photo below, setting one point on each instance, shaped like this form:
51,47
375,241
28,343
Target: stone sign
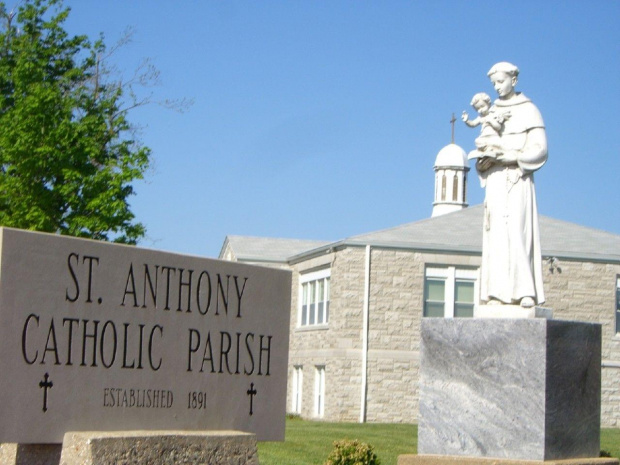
102,337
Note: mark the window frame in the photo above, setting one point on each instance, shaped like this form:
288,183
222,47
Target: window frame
617,306
308,317
455,187
319,391
298,385
450,275
444,187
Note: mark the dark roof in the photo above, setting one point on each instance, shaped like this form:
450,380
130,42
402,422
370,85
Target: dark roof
458,232
461,231
268,249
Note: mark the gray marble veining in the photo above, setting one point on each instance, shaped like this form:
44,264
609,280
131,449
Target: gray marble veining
509,388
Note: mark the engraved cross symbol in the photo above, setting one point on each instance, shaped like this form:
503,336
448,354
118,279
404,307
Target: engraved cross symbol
252,392
45,385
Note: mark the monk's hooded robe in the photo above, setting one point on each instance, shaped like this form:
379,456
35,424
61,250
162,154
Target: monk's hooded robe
511,258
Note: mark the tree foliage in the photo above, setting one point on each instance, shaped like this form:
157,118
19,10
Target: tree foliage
68,155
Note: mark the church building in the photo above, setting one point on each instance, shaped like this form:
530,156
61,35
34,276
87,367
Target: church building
357,303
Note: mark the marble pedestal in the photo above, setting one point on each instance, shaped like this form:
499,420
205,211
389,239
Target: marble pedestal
516,389
455,460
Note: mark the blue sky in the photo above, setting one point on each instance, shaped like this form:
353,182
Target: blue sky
322,119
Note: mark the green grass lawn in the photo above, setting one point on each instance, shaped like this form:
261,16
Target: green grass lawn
310,442
610,441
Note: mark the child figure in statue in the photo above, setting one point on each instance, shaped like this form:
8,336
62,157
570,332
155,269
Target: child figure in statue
492,124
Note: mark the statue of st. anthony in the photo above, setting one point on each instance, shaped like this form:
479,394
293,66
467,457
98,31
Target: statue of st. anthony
511,271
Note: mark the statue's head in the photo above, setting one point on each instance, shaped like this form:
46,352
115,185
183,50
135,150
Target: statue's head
481,102
504,78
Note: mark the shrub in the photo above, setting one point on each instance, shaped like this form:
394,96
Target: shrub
354,452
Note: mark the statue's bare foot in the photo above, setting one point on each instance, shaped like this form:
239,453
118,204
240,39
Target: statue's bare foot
494,302
527,302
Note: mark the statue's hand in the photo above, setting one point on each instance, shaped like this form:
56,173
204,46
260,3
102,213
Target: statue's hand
464,116
503,117
484,164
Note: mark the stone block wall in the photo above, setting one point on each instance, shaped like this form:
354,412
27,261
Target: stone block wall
392,388
337,345
583,291
586,291
610,396
396,300
396,303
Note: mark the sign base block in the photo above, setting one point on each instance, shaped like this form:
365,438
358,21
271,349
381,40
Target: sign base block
159,447
30,454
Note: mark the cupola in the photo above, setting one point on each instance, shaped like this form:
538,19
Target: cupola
451,167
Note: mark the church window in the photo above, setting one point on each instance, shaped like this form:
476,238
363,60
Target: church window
450,292
443,187
319,391
455,188
298,382
463,298
464,187
618,305
314,298
435,291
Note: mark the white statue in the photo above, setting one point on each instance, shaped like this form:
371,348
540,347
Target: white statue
511,271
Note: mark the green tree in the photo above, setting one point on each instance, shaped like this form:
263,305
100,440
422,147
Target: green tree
68,155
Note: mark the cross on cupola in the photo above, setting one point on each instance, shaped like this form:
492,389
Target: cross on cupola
452,121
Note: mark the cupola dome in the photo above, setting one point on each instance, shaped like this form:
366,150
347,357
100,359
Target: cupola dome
451,167
451,156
